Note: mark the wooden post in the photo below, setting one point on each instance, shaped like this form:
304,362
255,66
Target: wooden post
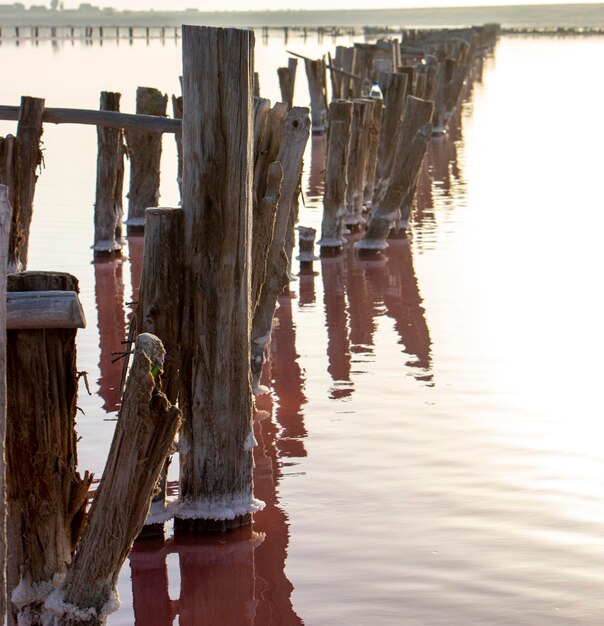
336,177
177,112
143,437
375,127
159,312
394,87
144,152
287,81
46,495
106,212
306,241
362,113
269,143
9,176
5,228
291,152
216,486
315,72
29,132
401,184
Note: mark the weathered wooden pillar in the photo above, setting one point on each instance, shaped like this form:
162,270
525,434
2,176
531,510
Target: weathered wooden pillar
45,494
9,177
291,152
107,213
394,88
336,177
401,186
362,112
159,311
177,112
143,436
306,242
144,152
287,81
5,227
29,132
315,72
216,485
375,127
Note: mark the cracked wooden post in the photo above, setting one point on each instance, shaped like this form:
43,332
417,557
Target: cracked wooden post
362,112
291,152
144,152
159,312
144,433
375,127
400,191
107,212
287,81
45,494
216,484
336,177
177,112
317,85
9,178
394,89
5,228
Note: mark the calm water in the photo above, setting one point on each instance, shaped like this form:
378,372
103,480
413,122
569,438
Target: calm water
431,451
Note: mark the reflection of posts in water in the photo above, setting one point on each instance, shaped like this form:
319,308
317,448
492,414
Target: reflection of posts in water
333,271
217,582
288,382
150,598
217,579
109,295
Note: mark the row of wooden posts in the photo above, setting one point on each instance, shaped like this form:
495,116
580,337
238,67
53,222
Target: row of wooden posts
212,273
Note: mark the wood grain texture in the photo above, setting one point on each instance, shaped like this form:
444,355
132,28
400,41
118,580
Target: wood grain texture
106,211
336,174
46,495
9,177
216,466
317,85
375,127
5,228
144,153
287,82
143,437
177,112
28,310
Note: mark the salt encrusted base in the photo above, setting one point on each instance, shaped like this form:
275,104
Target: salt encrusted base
56,609
106,245
371,244
135,222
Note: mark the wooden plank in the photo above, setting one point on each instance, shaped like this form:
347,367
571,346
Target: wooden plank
109,119
44,309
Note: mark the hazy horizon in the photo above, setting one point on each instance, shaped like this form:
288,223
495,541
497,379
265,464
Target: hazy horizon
309,5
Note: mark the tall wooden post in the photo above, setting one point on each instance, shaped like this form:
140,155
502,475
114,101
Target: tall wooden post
216,445
46,496
394,88
159,312
375,127
5,224
144,151
317,85
336,176
287,81
107,213
8,176
29,132
177,112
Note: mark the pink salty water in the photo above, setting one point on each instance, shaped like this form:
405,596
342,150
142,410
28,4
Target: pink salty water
431,452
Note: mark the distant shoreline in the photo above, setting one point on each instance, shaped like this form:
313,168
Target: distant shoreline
589,16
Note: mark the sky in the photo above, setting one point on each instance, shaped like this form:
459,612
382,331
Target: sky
238,5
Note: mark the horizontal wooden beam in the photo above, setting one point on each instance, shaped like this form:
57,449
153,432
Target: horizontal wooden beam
327,65
28,310
111,119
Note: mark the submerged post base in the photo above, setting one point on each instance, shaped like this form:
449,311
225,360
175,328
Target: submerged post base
211,525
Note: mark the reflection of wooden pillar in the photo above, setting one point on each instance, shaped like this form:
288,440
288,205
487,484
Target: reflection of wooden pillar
150,597
217,578
333,271
288,382
306,283
109,295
